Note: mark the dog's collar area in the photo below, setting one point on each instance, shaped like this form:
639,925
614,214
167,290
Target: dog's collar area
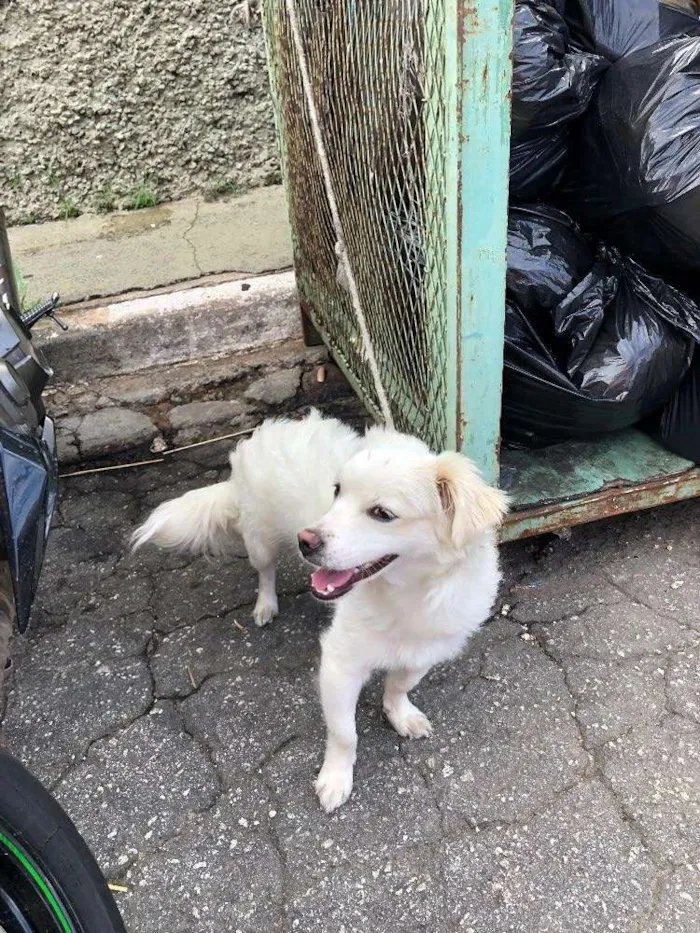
331,584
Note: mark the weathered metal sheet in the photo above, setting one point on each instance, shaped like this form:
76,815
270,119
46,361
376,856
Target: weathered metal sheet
577,482
581,468
605,504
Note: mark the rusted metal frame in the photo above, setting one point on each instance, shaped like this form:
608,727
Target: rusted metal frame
605,504
478,82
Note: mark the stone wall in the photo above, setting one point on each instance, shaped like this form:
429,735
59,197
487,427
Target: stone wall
110,105
141,414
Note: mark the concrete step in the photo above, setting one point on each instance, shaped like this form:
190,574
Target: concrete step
147,364
175,368
173,327
146,412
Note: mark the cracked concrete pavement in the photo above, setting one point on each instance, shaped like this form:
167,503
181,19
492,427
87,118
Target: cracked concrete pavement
107,254
560,792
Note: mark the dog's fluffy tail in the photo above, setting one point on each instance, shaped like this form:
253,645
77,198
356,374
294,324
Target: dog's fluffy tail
200,522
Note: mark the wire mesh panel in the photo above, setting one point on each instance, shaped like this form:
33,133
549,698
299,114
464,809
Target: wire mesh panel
378,78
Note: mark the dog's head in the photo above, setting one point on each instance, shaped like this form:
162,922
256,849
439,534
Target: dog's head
397,503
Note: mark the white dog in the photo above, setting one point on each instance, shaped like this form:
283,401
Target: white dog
408,548
281,480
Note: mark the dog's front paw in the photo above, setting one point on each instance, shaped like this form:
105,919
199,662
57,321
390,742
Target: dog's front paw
333,787
409,721
265,611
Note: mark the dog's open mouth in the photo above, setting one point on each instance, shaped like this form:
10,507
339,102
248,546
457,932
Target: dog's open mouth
331,584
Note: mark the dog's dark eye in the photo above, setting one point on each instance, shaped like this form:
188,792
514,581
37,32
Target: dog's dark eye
380,514
336,490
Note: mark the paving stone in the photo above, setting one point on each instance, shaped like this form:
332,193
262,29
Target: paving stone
608,695
663,583
110,429
120,595
112,511
66,589
72,545
622,630
403,891
194,653
542,598
66,447
201,589
575,867
221,874
194,414
140,482
92,637
636,538
187,657
391,809
683,684
655,771
166,492
138,788
276,387
504,743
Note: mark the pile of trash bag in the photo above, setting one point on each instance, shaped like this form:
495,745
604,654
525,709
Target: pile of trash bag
602,322
552,85
615,29
594,343
636,173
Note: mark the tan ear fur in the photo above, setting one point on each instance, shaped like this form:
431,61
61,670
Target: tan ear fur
471,505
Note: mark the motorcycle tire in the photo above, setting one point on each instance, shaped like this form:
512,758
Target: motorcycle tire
49,880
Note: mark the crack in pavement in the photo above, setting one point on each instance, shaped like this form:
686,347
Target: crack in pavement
186,238
595,758
442,828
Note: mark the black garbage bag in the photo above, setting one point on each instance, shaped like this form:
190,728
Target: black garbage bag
593,343
679,425
625,334
537,162
541,405
552,85
614,28
547,256
635,166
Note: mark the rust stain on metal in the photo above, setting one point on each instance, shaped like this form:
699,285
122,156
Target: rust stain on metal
608,503
468,15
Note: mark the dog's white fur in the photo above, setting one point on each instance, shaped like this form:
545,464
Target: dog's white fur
416,612
281,481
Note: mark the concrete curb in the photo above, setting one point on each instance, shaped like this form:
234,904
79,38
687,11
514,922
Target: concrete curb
164,370
126,336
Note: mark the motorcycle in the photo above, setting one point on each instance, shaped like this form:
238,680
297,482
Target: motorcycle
49,880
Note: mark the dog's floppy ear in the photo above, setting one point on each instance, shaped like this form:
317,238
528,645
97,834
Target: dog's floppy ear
470,504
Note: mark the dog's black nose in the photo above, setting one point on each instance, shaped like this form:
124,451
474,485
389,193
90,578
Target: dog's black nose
309,541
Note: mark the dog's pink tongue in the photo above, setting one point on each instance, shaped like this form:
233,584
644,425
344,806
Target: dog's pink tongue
321,580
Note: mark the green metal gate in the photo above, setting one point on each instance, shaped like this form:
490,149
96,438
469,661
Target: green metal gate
412,103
